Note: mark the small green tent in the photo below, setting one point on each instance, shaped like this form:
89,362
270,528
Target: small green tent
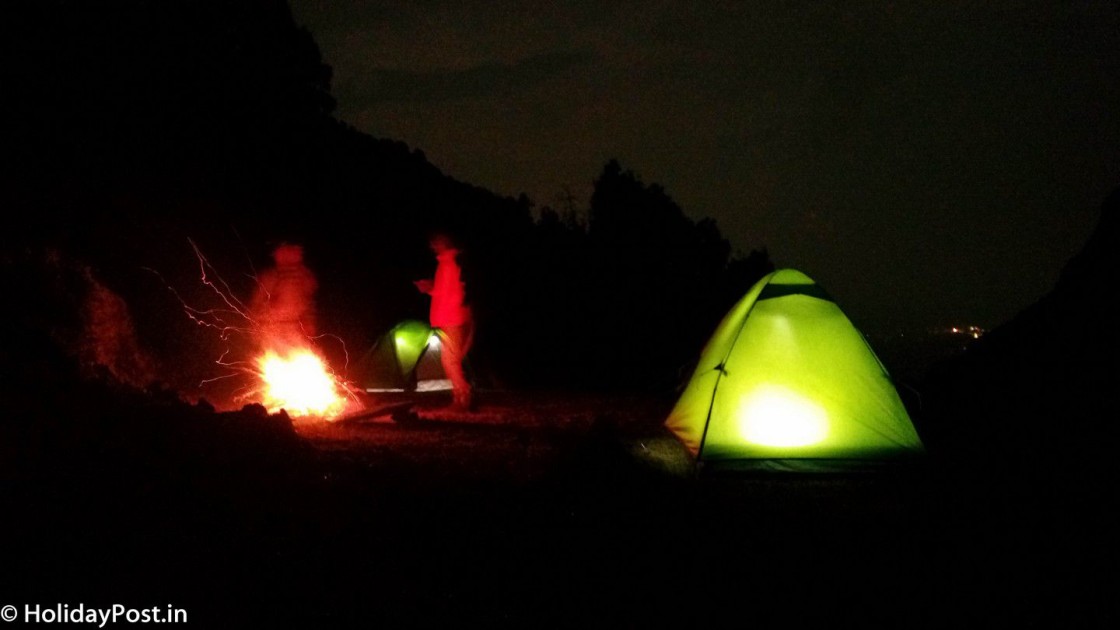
404,358
787,382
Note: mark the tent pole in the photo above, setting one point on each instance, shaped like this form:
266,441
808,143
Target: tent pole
722,367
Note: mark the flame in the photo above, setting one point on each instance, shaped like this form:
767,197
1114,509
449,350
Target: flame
299,382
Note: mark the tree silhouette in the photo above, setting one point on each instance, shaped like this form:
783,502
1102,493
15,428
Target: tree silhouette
658,279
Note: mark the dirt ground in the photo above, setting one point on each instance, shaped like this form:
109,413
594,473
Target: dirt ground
555,511
509,438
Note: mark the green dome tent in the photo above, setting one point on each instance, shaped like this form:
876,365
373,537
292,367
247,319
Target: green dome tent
787,382
407,358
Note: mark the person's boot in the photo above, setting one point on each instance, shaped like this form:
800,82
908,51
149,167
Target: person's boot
463,400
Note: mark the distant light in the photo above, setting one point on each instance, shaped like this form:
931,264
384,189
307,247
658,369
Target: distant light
956,330
776,416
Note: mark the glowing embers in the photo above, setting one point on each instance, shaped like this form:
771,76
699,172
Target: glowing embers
300,383
775,416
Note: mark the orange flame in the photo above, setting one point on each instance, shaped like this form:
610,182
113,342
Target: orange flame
299,382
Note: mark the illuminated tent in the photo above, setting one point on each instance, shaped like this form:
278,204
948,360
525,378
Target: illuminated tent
787,382
405,358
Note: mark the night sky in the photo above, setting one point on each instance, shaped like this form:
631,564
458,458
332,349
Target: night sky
928,164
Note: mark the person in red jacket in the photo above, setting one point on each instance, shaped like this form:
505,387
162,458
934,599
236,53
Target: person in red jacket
450,316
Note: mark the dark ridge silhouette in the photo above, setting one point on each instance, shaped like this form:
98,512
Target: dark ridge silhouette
1040,391
139,125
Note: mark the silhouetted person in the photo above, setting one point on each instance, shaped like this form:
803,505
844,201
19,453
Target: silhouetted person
450,316
284,306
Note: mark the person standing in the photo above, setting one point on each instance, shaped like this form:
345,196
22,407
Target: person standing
450,316
284,305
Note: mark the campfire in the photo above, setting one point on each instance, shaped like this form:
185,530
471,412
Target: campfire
287,371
